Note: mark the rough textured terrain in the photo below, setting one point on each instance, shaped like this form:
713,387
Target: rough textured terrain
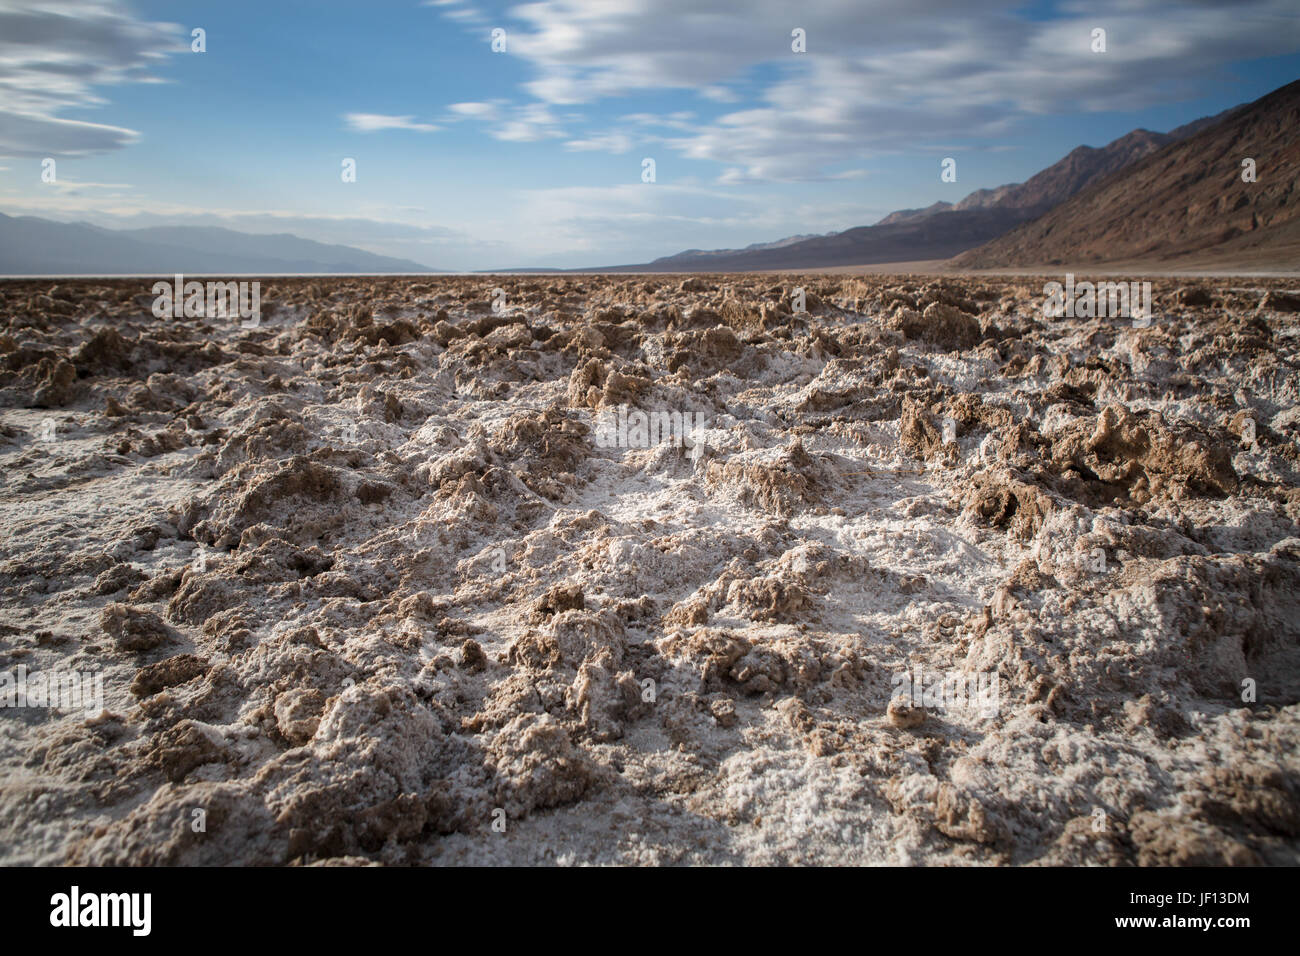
361,582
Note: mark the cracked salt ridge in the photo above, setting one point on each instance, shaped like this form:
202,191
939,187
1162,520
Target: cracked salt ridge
821,806
800,810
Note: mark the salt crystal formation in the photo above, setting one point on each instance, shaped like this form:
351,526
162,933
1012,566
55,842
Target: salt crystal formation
362,587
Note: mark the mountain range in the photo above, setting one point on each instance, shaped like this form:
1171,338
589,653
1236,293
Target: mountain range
943,229
1146,197
1190,201
33,246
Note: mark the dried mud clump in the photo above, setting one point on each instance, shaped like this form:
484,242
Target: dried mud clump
784,483
560,597
942,325
133,628
922,574
1141,457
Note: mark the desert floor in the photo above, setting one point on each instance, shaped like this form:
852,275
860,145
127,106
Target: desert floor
369,583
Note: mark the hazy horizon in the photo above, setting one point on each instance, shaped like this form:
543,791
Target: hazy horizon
532,157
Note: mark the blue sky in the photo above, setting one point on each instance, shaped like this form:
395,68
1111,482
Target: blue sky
473,159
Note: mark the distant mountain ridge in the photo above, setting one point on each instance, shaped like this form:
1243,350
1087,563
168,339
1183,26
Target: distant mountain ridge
943,229
1186,200
1057,183
934,237
753,247
1078,169
33,246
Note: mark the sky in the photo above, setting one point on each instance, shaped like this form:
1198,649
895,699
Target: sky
530,150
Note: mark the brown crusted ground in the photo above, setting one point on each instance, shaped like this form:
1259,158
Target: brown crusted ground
361,584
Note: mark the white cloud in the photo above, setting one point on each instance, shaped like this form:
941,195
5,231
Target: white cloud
33,134
475,110
528,123
886,76
719,94
72,185
54,54
683,119
374,122
458,11
601,142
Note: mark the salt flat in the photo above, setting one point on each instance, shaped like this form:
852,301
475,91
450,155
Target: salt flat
362,585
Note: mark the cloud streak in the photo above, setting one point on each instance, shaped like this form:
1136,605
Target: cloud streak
53,57
377,122
877,77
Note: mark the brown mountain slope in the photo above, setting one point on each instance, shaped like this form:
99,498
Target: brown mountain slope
1062,180
940,230
1058,182
1185,202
